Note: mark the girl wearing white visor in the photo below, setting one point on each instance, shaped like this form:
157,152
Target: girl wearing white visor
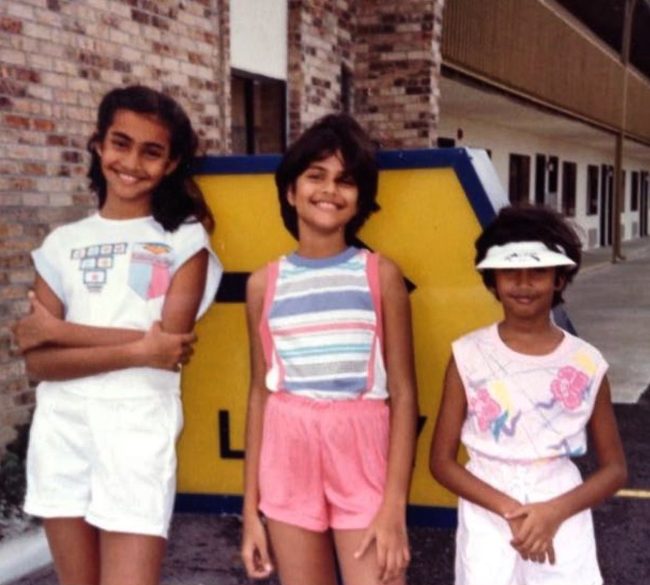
521,395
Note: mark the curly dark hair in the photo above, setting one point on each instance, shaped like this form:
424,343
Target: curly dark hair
525,223
177,198
328,135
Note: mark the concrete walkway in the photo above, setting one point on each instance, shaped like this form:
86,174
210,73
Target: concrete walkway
609,306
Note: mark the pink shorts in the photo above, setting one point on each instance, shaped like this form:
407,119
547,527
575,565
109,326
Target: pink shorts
323,462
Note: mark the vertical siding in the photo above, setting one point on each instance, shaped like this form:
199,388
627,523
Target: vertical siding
638,107
524,45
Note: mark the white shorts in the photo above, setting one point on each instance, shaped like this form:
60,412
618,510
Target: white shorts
111,462
484,555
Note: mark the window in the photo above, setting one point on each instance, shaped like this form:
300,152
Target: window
258,114
540,179
346,89
569,188
634,202
592,189
606,203
519,178
553,167
643,204
623,189
444,142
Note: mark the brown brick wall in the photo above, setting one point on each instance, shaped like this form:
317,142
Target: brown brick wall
319,43
57,58
397,68
392,49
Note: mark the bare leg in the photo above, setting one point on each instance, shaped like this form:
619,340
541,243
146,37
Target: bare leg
131,559
75,549
362,571
302,556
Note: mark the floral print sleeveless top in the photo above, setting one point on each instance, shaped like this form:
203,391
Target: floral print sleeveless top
525,407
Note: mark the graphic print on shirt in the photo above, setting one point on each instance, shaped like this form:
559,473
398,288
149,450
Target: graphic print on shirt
527,407
96,261
492,409
571,386
150,269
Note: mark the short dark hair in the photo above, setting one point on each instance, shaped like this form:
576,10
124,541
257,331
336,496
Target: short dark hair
328,135
525,223
177,197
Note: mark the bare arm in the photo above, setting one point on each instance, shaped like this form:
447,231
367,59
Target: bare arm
42,327
444,450
184,296
612,468
542,520
455,477
164,346
389,526
255,553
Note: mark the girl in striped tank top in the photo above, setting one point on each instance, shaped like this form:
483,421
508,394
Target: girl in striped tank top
332,406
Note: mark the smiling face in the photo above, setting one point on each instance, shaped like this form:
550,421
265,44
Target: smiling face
527,292
325,197
135,158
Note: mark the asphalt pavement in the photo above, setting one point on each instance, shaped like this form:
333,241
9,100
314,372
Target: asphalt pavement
608,305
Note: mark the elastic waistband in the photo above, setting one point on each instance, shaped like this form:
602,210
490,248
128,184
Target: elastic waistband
527,480
532,469
99,393
475,455
346,405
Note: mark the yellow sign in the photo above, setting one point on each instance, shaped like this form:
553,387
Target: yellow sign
428,223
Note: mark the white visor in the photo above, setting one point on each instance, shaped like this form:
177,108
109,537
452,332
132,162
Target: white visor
523,255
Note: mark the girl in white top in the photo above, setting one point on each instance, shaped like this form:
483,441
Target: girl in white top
520,395
114,304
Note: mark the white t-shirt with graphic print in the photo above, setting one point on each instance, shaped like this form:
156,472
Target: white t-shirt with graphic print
115,273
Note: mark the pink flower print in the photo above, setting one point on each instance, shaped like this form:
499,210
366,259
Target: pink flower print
485,408
569,387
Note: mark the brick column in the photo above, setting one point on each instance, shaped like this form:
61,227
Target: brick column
397,68
319,44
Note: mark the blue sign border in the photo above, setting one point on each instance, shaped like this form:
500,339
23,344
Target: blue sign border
459,159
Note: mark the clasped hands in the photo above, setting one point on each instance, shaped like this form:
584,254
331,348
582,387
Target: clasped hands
533,528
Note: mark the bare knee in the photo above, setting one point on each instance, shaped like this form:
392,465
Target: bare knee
130,559
75,550
364,569
301,555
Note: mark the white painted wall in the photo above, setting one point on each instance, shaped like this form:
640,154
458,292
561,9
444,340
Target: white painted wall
258,37
503,141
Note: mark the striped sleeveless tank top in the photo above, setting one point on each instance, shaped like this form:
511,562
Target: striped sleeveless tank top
321,326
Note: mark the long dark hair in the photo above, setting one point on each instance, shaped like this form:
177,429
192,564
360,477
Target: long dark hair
177,198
